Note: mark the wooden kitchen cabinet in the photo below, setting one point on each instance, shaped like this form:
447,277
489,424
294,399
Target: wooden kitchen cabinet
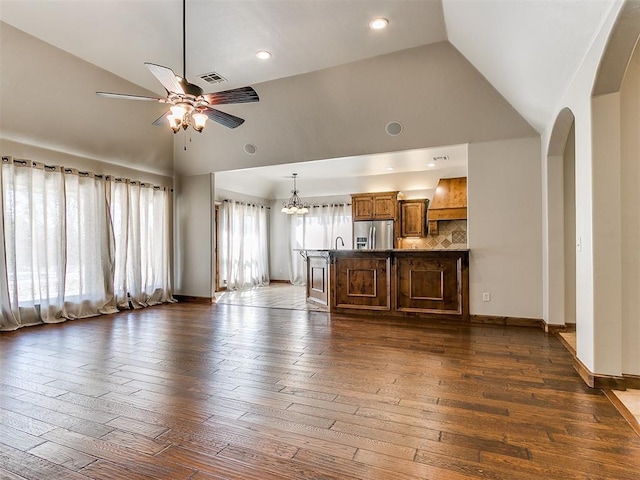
317,277
361,281
362,207
400,283
374,206
432,284
413,218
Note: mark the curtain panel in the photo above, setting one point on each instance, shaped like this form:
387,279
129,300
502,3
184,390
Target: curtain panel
60,248
317,229
244,245
140,216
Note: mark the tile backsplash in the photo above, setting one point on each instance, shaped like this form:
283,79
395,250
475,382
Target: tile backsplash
452,234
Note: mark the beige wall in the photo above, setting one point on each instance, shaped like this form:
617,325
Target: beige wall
438,96
40,84
194,267
504,228
630,203
52,157
597,213
569,226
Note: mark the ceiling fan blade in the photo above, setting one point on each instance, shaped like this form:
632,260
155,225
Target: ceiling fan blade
236,95
126,96
162,121
223,118
166,77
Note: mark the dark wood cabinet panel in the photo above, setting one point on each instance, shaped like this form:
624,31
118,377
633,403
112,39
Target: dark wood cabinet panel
374,206
318,280
362,282
384,206
430,284
362,207
413,218
422,283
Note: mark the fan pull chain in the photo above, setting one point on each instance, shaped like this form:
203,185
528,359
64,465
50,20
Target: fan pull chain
185,139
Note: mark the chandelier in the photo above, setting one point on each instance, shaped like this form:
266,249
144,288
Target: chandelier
295,204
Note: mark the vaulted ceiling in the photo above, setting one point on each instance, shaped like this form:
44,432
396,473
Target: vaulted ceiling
527,49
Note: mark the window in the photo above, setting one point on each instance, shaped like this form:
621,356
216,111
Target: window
60,244
243,235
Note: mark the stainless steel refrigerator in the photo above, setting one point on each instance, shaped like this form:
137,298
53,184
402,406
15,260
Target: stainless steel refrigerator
373,235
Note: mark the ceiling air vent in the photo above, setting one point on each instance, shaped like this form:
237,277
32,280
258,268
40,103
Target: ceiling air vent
212,77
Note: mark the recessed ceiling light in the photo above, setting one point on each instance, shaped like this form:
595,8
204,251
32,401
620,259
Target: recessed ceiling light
379,23
263,54
390,169
432,164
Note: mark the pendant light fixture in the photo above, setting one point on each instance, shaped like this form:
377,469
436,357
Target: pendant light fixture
295,204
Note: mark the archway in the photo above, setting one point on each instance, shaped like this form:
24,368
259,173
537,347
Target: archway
615,122
560,229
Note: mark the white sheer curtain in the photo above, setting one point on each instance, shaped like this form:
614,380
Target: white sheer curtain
317,229
244,247
89,247
140,215
62,255
296,237
57,245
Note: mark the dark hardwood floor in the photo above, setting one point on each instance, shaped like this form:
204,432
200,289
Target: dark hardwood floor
189,391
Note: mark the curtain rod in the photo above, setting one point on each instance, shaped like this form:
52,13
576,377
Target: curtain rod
25,163
332,205
245,203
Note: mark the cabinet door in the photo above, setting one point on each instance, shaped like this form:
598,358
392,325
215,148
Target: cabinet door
318,280
384,206
412,219
430,285
362,283
362,207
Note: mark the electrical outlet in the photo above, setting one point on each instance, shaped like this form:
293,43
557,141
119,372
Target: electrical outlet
486,297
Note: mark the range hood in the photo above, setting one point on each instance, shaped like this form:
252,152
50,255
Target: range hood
449,202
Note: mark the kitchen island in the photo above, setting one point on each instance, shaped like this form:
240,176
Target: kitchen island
398,282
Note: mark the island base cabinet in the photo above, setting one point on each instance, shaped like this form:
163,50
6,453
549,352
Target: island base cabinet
430,285
318,280
362,283
397,283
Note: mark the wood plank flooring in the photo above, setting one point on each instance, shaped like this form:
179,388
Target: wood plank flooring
200,392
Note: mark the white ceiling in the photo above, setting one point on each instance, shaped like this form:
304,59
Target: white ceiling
337,176
223,35
528,49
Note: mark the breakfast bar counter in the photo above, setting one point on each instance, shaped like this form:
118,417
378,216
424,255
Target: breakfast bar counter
398,282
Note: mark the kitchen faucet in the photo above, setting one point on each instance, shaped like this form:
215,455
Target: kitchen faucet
341,241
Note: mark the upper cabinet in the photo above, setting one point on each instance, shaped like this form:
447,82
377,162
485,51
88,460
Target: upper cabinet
413,218
374,206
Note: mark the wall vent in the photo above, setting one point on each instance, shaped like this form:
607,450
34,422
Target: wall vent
212,77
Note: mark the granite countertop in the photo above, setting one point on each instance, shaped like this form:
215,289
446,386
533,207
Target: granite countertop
401,250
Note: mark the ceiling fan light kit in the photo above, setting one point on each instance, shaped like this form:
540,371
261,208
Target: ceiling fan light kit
189,106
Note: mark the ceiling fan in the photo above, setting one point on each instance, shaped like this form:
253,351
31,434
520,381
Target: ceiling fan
189,106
